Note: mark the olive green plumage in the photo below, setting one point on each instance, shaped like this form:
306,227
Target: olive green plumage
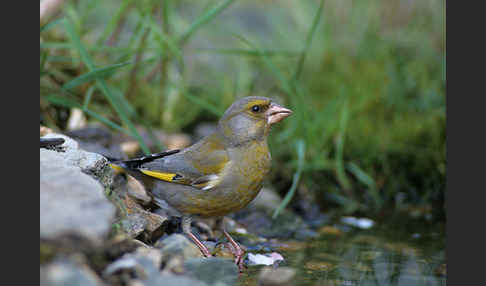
221,173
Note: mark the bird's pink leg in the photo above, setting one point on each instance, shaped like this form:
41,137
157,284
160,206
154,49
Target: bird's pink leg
186,228
238,252
199,244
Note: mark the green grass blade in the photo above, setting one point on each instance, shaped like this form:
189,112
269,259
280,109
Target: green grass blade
94,74
308,41
300,146
285,84
65,102
50,25
118,108
102,48
164,39
89,95
368,181
208,16
43,61
102,85
253,53
204,104
112,24
341,174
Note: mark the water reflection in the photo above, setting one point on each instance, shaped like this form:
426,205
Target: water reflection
384,255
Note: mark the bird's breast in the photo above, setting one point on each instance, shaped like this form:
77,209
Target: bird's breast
241,180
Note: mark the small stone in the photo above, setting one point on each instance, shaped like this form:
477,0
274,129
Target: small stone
77,119
68,271
241,230
177,244
151,254
287,225
136,190
174,265
363,223
130,148
133,224
177,141
138,219
142,263
154,221
280,276
45,130
212,270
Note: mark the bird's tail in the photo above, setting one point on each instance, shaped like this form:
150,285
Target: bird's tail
134,164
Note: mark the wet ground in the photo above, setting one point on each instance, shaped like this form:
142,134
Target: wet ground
385,254
318,248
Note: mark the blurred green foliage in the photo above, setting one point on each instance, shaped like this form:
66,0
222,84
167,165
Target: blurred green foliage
366,81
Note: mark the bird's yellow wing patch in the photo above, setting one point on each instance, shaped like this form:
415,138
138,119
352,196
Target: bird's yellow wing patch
116,168
159,175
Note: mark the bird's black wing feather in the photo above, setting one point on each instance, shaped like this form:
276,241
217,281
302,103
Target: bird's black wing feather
137,162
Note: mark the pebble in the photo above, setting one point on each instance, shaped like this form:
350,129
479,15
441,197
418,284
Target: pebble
281,276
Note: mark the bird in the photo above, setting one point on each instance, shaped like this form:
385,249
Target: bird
219,174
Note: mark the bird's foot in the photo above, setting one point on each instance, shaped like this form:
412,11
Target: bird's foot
237,251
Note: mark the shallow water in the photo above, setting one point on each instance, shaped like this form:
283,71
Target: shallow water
402,253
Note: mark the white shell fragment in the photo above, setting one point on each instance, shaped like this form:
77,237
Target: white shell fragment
363,223
264,259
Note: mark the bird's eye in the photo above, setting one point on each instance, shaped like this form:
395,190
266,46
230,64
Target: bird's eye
255,108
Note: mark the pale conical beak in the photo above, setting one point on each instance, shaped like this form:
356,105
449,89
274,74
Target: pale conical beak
277,113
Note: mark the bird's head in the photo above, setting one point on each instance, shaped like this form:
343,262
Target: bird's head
250,118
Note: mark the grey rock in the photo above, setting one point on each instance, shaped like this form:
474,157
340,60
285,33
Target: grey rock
143,263
287,225
136,190
72,202
74,156
171,279
68,271
133,224
154,221
90,163
212,270
177,245
141,220
280,276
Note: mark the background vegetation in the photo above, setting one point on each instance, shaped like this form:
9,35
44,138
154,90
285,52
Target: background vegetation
366,81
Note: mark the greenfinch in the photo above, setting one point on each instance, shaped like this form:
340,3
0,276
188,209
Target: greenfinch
219,174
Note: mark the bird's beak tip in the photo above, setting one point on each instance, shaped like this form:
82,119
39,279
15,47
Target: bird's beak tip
277,113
